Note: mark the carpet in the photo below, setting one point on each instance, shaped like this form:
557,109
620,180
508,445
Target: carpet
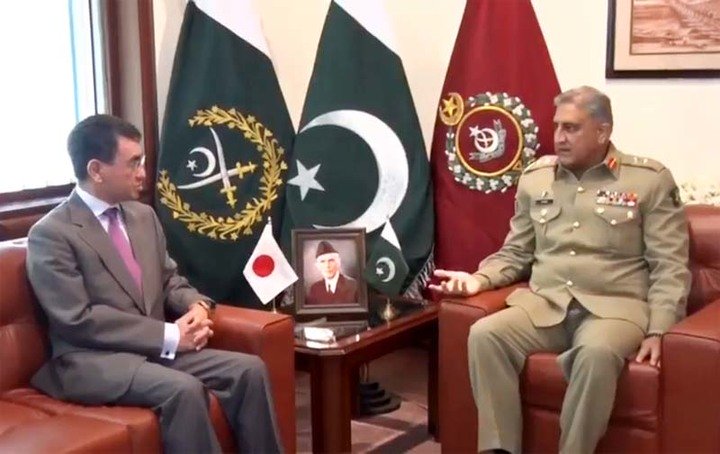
404,373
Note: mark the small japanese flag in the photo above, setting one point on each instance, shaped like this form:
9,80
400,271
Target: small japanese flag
268,271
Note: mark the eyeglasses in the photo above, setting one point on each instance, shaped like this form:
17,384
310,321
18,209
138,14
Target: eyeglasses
136,163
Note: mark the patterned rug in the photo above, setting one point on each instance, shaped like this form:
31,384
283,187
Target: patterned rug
404,430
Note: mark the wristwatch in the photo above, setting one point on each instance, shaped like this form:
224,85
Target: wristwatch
209,306
649,335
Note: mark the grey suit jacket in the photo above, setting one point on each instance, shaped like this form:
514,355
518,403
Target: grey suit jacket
101,326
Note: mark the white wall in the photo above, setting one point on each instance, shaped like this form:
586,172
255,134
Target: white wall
675,121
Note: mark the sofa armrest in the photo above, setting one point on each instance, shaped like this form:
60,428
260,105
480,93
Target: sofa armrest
457,412
488,302
250,330
703,324
269,336
690,380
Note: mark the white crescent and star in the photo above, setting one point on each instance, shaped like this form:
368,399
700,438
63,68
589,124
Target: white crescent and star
305,179
391,268
389,153
207,176
211,162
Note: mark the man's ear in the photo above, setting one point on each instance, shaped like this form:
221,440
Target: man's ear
604,131
94,170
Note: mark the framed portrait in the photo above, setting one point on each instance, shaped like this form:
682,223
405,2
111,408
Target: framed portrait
663,38
330,265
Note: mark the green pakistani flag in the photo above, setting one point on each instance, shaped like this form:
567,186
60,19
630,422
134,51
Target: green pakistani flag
222,161
359,158
386,270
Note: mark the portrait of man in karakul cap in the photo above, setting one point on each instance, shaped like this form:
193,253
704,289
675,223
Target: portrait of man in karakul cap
334,287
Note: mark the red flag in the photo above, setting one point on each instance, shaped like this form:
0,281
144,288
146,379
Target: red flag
494,119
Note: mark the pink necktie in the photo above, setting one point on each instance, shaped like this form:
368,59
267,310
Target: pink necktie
122,245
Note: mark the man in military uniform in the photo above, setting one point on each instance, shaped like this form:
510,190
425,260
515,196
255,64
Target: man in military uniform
603,238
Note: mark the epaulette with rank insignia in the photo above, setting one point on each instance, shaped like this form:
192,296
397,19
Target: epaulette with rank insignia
548,160
646,163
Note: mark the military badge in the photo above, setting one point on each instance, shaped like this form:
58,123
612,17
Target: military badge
491,138
225,177
545,199
616,198
675,197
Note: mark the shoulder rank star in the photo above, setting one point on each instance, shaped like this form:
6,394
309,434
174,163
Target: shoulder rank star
616,198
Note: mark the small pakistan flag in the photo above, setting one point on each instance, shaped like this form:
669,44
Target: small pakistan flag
386,268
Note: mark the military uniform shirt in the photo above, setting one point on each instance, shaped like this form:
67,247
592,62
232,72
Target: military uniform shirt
615,240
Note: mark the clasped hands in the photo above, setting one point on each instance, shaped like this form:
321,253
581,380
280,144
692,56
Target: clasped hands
195,329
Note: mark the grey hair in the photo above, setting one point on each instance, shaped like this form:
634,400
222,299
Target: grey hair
590,99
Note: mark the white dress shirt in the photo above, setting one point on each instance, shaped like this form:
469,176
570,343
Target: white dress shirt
331,284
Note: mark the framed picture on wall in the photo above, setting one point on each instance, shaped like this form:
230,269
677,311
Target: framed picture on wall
330,265
663,38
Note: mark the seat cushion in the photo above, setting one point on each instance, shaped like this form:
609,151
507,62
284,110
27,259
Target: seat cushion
14,415
69,433
141,423
636,401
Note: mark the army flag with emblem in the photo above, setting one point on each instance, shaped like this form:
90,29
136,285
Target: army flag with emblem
495,118
223,155
386,269
359,157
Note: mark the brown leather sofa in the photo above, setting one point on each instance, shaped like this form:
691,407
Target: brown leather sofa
34,422
671,409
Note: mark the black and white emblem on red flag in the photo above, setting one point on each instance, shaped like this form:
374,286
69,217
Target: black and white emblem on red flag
491,138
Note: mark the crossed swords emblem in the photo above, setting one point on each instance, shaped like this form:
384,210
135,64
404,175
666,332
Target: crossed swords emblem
224,175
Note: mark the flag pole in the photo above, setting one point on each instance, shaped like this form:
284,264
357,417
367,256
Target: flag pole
388,313
274,308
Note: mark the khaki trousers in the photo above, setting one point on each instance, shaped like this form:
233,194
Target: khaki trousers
594,352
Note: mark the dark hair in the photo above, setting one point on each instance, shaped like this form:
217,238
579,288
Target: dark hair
96,138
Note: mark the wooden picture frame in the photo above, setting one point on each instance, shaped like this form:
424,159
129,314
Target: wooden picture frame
663,39
318,254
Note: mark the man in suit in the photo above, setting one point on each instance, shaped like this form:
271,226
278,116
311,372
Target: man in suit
603,238
334,287
101,272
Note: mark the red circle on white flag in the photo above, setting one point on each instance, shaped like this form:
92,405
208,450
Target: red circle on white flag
263,265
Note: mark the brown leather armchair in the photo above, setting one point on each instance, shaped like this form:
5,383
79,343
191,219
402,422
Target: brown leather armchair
34,422
674,408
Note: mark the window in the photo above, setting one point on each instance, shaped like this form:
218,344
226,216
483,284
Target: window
49,51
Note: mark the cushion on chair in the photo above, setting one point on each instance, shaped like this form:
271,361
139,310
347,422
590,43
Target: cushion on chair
703,221
636,401
67,433
22,337
141,423
15,415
